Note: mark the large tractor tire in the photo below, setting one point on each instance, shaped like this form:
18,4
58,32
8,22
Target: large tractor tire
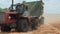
22,25
5,28
34,24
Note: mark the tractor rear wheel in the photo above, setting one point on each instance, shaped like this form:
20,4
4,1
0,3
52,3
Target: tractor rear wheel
34,24
22,25
5,28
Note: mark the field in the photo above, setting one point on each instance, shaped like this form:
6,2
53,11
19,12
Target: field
50,26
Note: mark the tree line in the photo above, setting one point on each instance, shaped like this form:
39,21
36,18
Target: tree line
4,10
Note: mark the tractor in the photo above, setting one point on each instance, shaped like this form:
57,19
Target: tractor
15,19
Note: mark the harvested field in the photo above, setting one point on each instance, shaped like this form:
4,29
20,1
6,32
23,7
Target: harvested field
51,26
43,29
53,19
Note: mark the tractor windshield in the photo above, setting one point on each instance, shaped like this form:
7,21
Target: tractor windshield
14,7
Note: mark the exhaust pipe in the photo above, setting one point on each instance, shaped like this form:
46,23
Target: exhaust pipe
12,3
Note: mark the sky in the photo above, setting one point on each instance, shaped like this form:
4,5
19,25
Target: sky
50,6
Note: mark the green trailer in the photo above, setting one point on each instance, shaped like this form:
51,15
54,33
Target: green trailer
35,8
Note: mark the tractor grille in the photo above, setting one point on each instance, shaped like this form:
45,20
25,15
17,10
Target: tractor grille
2,17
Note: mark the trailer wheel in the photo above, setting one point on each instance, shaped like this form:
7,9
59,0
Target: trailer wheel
41,21
22,25
5,28
34,24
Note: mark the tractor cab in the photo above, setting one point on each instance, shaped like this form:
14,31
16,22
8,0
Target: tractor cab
16,11
18,8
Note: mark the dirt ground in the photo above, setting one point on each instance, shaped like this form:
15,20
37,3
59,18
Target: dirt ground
50,26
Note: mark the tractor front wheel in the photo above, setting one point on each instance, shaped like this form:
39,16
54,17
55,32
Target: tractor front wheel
5,28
